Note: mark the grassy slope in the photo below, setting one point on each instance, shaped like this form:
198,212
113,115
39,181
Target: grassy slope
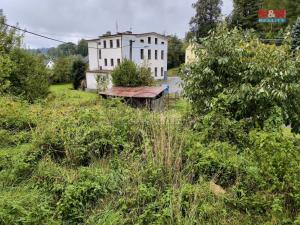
85,160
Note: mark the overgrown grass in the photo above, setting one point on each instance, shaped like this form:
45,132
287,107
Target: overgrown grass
90,161
64,94
174,72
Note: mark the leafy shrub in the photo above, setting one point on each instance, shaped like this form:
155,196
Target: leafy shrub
272,178
128,74
83,193
83,135
6,66
29,78
62,71
252,77
78,72
51,178
9,40
218,161
15,115
17,164
25,206
8,139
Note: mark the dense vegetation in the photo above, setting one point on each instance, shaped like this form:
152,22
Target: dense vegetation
128,74
247,80
78,73
77,159
176,52
221,156
64,50
21,73
74,158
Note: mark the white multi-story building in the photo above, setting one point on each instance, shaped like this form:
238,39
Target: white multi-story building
108,51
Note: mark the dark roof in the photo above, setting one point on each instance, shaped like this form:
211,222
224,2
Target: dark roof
134,92
128,33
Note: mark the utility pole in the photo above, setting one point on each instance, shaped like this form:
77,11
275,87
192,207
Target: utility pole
130,49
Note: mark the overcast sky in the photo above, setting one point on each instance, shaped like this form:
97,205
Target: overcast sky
70,20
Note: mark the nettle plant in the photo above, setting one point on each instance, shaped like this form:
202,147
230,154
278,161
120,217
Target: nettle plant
252,78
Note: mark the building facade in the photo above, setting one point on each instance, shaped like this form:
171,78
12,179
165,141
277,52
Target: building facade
109,50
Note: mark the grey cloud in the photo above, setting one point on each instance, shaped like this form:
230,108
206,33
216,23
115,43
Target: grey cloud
71,20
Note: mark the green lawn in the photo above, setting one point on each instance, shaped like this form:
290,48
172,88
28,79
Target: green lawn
64,93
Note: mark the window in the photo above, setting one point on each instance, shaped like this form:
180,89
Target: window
142,40
104,44
155,71
156,41
155,54
162,43
105,62
162,54
118,62
162,71
142,53
99,43
99,53
149,53
149,40
118,43
111,43
112,62
100,67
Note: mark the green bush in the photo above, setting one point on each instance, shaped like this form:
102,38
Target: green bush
83,193
128,74
78,72
25,206
29,78
272,177
81,136
17,164
62,71
250,77
15,115
9,40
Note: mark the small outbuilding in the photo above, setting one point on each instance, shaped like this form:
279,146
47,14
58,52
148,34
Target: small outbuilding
149,97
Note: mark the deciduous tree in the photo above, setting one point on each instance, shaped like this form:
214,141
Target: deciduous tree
128,74
62,70
246,80
82,48
176,52
78,72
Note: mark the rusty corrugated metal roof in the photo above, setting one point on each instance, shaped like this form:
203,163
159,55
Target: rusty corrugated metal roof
134,92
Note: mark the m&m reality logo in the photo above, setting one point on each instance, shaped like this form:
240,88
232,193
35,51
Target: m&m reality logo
272,16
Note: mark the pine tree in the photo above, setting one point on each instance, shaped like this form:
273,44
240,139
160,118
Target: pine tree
296,35
208,13
245,14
